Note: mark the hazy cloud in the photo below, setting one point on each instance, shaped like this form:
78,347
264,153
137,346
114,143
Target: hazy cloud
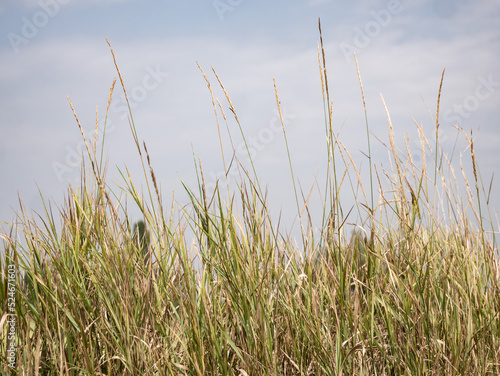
403,61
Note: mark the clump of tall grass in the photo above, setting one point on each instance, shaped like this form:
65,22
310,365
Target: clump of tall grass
408,292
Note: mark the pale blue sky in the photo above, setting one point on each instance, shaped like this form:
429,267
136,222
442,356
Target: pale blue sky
50,49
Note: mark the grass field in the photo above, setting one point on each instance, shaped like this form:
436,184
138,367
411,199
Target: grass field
414,290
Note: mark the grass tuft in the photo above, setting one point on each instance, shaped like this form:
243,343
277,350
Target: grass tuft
222,290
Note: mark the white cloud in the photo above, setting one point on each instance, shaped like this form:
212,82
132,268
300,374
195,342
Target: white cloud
178,113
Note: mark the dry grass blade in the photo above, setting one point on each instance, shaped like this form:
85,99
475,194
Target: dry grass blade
118,70
324,62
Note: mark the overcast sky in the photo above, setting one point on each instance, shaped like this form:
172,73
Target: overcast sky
51,49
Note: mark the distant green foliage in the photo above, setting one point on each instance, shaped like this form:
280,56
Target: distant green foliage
141,240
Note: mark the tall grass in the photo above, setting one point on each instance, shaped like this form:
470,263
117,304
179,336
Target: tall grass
416,294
